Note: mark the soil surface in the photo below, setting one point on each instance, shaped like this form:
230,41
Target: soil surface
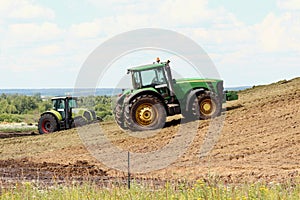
257,138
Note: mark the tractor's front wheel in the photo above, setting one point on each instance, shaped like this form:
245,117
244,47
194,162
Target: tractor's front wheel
145,112
47,124
206,105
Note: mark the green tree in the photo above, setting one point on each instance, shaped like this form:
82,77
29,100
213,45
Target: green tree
45,105
11,109
3,106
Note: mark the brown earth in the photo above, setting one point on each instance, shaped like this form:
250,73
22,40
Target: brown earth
259,141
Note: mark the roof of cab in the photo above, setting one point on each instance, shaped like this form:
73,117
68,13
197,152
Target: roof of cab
147,67
64,97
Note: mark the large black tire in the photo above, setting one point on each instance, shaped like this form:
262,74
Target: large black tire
146,112
47,124
79,121
119,116
206,105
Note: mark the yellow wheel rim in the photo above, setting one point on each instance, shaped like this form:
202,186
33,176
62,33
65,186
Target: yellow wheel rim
207,107
145,114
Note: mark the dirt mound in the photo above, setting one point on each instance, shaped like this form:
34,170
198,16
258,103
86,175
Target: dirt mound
259,141
15,170
17,134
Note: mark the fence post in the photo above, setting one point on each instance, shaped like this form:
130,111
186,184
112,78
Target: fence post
129,179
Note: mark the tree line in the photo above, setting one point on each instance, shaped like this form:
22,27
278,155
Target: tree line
22,104
13,107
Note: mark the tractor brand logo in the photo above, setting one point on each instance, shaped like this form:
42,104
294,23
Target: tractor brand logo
156,93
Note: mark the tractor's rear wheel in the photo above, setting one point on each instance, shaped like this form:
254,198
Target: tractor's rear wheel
119,116
145,112
206,105
47,124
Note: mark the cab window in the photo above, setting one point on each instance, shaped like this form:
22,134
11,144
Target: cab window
58,104
136,81
72,103
153,77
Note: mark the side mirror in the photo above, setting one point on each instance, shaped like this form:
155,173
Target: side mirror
174,80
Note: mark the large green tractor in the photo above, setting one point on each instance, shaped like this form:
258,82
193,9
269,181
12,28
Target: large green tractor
156,95
64,115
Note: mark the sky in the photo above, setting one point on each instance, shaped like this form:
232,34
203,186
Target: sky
43,44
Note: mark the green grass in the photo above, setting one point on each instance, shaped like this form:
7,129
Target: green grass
200,190
18,129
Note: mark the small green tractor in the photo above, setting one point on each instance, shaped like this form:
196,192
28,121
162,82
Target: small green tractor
156,95
65,115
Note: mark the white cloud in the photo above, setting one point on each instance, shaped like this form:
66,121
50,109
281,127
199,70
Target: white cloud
184,12
28,32
30,46
49,50
270,33
224,37
33,60
85,30
279,33
289,4
276,33
98,3
24,9
6,5
32,11
167,14
128,22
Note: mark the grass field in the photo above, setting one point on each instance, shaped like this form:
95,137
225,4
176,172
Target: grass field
200,190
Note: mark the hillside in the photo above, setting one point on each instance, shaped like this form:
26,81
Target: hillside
259,141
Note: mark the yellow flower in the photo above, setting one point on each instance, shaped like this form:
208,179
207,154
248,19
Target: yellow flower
263,189
27,183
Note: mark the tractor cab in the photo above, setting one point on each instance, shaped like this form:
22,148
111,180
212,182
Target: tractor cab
64,105
148,77
157,75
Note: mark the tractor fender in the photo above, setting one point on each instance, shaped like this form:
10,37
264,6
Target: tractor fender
190,96
120,100
121,97
130,98
56,114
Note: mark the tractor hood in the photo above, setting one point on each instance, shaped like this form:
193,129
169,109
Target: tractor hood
184,85
187,84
